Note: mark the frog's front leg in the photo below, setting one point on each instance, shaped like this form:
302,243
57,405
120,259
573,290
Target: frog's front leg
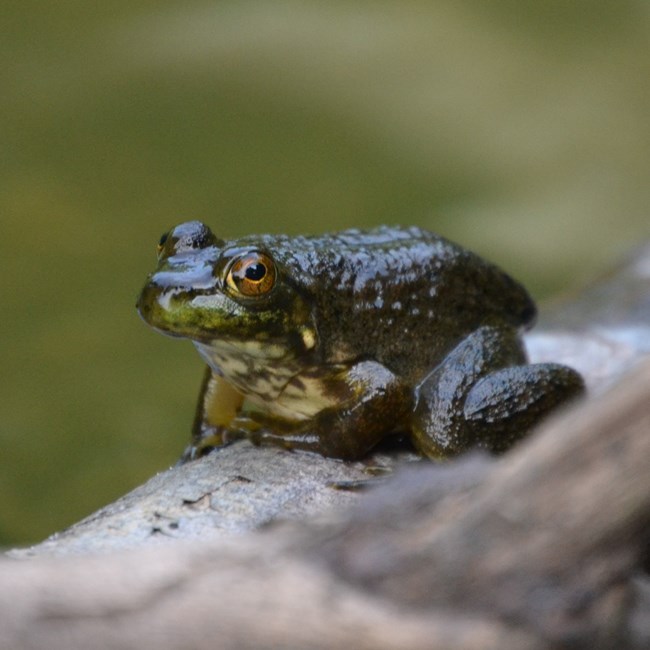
484,394
366,402
219,403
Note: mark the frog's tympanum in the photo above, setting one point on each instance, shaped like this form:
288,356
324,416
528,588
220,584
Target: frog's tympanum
331,343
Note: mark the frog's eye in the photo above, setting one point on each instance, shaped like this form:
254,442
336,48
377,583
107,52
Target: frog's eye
252,274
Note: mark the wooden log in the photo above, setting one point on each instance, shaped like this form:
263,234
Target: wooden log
540,551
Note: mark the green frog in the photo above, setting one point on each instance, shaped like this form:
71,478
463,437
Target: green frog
331,343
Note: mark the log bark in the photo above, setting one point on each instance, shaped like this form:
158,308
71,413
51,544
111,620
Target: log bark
539,549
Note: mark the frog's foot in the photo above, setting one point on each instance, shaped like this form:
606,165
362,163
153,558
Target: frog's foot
327,434
205,439
506,404
483,395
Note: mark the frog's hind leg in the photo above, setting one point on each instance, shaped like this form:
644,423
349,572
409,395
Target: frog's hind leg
508,403
485,395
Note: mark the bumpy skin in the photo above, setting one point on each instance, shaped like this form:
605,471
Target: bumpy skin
331,343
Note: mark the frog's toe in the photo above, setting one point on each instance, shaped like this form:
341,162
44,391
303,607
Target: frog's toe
535,388
504,405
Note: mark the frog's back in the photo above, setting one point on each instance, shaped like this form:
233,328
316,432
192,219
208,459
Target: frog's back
402,296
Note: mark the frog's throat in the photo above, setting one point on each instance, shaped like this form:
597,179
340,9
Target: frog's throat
261,369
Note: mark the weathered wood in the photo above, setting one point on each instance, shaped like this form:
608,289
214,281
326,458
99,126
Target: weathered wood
241,594
538,552
234,490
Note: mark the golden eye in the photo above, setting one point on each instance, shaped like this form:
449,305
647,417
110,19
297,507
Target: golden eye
252,274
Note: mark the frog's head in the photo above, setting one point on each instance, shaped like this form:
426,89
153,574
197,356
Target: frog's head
224,293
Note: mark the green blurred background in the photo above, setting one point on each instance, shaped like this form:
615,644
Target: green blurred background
517,127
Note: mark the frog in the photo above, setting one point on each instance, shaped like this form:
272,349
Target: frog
334,343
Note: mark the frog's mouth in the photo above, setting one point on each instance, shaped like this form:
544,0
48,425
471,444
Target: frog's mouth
261,348
187,310
154,306
221,352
